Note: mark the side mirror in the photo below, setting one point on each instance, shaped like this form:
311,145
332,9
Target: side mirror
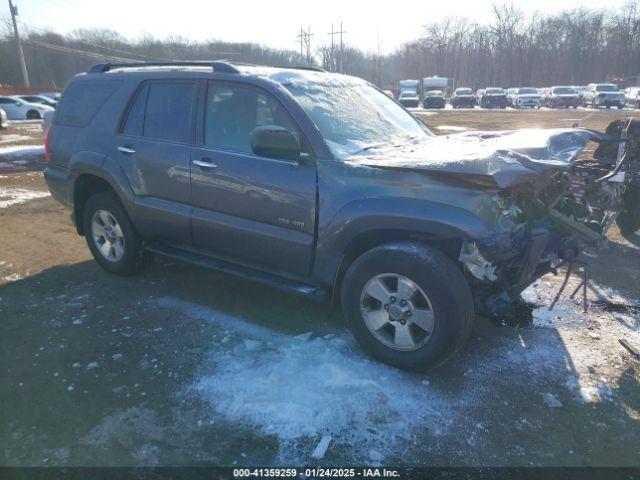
275,142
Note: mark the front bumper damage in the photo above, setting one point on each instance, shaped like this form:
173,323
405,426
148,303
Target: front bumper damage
569,215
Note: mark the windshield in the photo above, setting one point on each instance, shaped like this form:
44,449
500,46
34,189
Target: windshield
494,91
354,118
527,91
563,90
464,91
408,94
606,88
434,94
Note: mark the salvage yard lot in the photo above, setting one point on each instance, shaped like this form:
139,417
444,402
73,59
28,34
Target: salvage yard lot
182,366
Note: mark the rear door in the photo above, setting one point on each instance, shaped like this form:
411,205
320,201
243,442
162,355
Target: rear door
153,147
255,209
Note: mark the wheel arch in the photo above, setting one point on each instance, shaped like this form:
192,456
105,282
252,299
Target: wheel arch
84,186
371,239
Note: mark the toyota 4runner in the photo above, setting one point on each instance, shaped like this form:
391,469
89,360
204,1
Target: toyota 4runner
322,185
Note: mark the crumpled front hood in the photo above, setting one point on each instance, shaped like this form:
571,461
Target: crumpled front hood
495,159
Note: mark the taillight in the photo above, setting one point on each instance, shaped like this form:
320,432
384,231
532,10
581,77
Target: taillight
47,148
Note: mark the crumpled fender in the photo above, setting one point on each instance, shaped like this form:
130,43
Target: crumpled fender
411,215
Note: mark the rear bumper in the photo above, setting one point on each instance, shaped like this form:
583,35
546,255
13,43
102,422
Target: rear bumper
470,103
60,183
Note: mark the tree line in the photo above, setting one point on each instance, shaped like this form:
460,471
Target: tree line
573,47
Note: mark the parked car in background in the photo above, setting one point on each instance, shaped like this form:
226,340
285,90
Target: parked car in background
544,93
559,97
50,102
389,93
526,97
494,97
18,109
580,90
511,93
632,97
433,99
479,94
603,95
463,98
4,121
409,99
53,95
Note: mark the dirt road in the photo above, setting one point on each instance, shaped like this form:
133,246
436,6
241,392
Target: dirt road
182,366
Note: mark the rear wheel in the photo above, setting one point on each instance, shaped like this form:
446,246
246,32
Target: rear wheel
408,305
110,235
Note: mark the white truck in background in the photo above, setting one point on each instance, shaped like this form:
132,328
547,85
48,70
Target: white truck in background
408,86
435,83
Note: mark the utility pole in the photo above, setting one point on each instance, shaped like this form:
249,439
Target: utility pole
25,76
334,62
308,42
300,37
305,44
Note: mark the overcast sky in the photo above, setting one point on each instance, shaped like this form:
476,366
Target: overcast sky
274,23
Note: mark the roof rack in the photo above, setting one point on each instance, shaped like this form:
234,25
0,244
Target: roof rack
216,66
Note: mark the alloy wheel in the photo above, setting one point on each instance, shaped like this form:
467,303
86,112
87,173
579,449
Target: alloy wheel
397,312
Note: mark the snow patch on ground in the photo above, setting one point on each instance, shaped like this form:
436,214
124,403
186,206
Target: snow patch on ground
310,392
296,387
14,138
15,196
20,150
451,128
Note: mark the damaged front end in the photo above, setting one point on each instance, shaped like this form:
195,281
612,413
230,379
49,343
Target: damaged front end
548,220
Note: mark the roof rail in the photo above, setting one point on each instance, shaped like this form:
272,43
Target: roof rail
217,66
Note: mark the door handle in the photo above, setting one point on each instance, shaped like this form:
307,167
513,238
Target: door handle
205,164
126,150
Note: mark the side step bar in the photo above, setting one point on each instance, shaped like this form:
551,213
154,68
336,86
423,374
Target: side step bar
268,279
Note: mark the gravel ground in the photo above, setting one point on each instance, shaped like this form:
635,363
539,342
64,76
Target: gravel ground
183,366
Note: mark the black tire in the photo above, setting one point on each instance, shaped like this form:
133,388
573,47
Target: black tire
33,115
442,282
134,258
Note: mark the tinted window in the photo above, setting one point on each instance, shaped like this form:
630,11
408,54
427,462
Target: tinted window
234,111
7,100
135,117
169,111
82,100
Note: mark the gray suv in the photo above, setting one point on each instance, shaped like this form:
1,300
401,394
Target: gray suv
320,184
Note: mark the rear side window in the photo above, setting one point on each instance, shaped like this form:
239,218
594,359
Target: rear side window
135,118
82,100
162,111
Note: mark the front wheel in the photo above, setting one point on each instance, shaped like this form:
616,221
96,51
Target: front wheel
33,115
408,305
110,235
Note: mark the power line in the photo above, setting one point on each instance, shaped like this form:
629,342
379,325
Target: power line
74,51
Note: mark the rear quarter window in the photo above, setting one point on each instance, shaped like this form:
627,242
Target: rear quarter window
81,101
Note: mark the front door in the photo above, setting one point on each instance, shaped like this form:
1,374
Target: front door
252,208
